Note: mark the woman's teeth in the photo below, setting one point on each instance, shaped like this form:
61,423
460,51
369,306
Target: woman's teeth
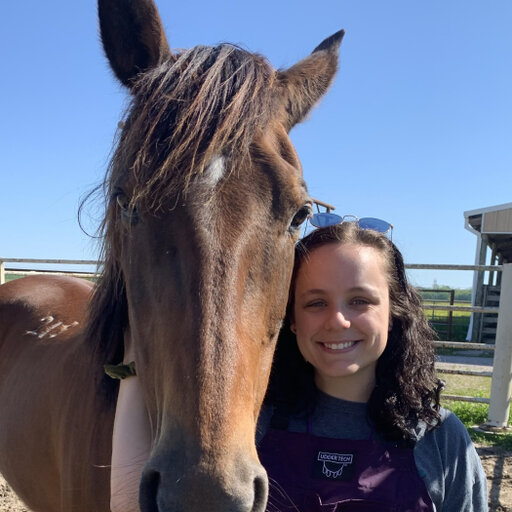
339,346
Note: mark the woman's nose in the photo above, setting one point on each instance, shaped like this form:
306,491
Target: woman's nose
338,320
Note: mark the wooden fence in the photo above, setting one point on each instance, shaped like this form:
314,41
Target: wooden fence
501,374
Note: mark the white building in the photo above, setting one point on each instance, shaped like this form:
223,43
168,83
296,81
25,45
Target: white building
493,228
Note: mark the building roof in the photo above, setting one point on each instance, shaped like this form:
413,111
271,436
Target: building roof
495,222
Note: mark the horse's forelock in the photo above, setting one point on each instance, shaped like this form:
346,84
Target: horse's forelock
203,102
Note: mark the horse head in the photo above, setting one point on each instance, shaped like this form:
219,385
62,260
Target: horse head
205,198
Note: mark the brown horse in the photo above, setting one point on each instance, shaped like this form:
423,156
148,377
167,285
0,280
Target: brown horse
204,200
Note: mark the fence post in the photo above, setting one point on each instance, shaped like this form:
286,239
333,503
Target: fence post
478,289
501,387
2,271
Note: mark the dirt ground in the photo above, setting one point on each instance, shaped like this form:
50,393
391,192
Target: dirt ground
496,461
8,500
497,464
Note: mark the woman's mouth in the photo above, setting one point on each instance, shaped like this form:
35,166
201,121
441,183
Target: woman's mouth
338,346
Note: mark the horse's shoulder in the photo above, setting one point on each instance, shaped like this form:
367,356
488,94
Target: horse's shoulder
40,287
43,296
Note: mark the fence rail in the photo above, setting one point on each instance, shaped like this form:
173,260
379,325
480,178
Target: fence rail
466,345
28,272
455,371
471,309
501,386
432,266
474,399
4,270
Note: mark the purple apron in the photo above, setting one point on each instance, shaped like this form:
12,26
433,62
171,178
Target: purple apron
317,474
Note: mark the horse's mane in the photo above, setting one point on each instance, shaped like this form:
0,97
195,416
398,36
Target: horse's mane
202,102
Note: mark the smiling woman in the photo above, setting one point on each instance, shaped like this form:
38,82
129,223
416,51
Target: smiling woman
352,414
341,317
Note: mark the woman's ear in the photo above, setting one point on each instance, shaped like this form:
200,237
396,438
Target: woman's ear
292,327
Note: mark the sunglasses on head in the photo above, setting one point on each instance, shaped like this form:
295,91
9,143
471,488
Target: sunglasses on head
324,220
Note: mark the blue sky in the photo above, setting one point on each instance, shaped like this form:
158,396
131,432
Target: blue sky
416,129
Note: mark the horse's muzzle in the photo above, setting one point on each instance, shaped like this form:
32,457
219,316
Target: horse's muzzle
169,486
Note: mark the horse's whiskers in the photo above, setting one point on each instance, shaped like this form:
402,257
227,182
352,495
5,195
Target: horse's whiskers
134,461
278,497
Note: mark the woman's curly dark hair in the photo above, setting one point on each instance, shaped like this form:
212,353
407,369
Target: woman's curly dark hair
407,390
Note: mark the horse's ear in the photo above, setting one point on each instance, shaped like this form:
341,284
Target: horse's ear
303,84
133,37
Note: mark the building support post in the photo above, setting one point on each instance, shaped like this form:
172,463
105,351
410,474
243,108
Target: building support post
501,387
479,291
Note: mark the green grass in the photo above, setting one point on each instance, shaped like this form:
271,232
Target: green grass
476,414
467,385
428,311
472,414
12,277
459,329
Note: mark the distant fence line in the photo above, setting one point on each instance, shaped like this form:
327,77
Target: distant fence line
23,271
501,386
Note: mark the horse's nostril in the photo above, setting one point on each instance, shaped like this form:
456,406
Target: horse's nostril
148,491
260,493
168,486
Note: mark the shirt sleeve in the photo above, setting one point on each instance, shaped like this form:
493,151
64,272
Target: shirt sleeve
263,422
450,467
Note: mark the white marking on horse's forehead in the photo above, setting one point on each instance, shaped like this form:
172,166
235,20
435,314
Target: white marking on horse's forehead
214,171
49,328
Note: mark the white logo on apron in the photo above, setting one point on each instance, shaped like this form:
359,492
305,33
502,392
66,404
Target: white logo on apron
336,461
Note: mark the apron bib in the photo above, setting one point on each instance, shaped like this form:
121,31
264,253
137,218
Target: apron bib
316,474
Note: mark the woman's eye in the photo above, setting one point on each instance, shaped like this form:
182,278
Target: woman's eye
316,304
360,302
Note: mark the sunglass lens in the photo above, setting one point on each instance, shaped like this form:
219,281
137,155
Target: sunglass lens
323,220
376,224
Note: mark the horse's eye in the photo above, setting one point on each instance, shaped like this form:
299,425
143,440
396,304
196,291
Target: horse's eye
121,200
301,216
128,211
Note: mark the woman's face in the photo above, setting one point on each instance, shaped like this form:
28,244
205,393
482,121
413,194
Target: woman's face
341,317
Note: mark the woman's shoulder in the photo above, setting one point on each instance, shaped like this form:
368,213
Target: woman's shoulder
448,425
444,446
449,430
447,461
